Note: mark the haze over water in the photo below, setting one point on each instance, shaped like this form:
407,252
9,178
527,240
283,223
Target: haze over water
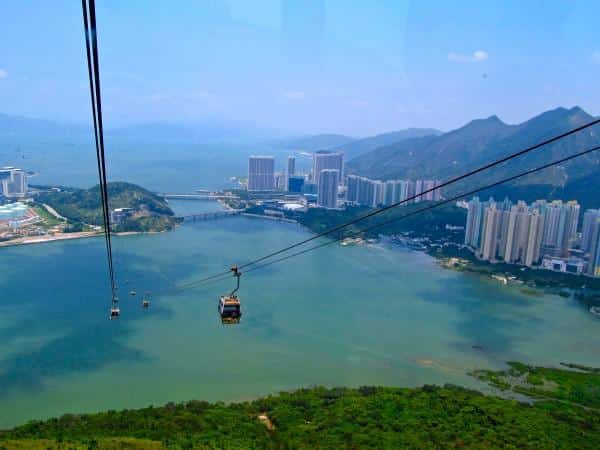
342,316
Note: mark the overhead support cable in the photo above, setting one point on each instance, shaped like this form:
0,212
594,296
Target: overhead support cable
91,46
405,216
375,212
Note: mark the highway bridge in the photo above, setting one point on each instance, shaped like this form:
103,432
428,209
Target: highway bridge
208,196
210,215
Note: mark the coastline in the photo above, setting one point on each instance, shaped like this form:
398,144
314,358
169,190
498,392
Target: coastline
30,240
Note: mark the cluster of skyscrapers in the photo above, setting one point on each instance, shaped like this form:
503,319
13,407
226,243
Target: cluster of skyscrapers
323,182
13,182
364,191
542,233
326,177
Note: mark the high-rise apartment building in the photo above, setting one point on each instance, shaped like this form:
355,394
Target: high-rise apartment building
517,233
534,240
594,261
428,185
291,166
490,235
13,182
328,188
261,173
389,197
352,183
560,229
590,222
364,191
327,160
418,191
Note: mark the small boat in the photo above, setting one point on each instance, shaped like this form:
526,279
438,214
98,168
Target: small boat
145,302
132,293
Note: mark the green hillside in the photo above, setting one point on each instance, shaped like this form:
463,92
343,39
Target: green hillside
483,140
365,145
564,416
152,213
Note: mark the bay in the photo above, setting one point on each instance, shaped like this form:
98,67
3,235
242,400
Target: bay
341,316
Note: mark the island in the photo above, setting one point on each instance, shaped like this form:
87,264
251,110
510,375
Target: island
58,212
557,408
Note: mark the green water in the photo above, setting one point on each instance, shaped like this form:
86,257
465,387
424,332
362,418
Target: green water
341,316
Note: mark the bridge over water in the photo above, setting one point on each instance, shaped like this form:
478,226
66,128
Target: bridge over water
210,215
194,196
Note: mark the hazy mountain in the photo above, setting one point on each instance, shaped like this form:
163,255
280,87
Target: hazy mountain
24,127
16,128
361,146
483,140
315,142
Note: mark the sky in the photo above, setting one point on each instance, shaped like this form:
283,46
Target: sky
355,67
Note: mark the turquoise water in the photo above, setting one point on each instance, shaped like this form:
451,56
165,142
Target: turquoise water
341,316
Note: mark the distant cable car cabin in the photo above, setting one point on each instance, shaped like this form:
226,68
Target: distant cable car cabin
115,312
229,305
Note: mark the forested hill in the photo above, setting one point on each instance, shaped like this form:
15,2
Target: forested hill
565,415
365,145
483,140
150,212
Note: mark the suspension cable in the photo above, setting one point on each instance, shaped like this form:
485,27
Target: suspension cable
411,198
421,210
91,46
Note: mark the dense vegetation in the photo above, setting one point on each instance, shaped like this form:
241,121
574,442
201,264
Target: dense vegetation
367,417
82,206
581,386
430,224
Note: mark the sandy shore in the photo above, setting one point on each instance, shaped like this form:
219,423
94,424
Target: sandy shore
49,238
67,236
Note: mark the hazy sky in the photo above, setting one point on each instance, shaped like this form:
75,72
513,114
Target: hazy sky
348,66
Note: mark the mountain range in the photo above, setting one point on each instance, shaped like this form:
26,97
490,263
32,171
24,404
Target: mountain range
353,147
411,153
480,141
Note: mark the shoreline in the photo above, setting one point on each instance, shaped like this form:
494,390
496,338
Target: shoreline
31,240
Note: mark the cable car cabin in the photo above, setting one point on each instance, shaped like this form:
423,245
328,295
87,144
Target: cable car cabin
229,305
230,309
115,312
230,320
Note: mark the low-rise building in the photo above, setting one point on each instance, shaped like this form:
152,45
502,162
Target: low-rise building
567,265
117,216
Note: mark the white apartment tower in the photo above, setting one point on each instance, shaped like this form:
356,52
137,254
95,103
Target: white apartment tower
261,173
328,186
13,182
327,160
